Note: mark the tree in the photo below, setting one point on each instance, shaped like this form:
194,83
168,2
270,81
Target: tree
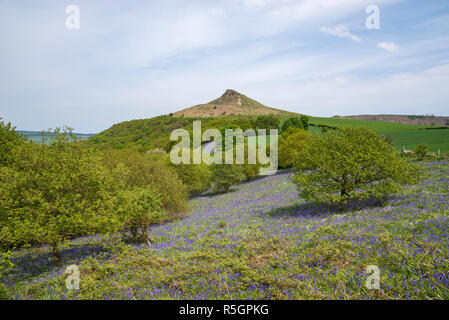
351,163
421,151
150,171
9,139
56,192
267,122
290,144
305,122
226,175
286,125
196,177
292,122
139,209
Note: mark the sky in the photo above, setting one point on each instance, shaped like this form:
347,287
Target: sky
133,59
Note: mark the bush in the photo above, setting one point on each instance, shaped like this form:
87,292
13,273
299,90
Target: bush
140,208
267,122
290,144
195,177
351,163
305,122
291,123
226,175
52,193
421,151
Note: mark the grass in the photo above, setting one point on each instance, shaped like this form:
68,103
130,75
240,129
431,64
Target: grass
274,246
407,135
379,126
435,139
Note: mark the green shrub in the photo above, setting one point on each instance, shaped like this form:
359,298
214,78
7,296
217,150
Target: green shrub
267,122
139,209
351,163
421,151
226,175
305,122
196,177
292,123
290,144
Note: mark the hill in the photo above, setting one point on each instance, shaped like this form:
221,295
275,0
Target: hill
148,134
424,120
36,136
230,103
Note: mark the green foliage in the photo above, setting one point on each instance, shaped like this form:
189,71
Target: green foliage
267,122
196,177
56,192
9,139
350,163
226,175
142,135
421,151
139,209
290,144
305,122
250,171
5,260
153,172
291,123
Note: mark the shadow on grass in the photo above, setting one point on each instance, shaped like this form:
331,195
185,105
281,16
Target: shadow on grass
319,209
30,263
212,193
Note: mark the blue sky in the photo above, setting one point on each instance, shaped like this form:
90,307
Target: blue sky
134,59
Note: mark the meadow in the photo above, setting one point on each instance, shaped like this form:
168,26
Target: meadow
407,135
261,242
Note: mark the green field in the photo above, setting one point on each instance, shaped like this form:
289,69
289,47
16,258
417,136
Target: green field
407,135
437,139
379,126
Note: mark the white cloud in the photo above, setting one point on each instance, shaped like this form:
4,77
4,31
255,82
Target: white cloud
134,60
389,46
342,32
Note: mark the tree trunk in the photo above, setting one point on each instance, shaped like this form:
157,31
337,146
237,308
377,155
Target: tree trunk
57,255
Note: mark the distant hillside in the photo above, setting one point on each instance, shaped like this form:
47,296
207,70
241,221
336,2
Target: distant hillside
233,108
143,134
424,120
36,136
230,103
148,134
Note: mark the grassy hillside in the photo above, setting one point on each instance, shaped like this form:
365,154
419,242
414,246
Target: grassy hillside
379,126
262,242
428,120
144,134
147,134
437,139
407,135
